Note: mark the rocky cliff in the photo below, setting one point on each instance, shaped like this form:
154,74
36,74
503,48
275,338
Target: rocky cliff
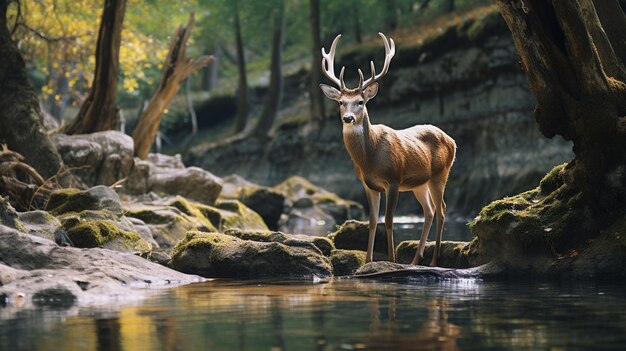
465,79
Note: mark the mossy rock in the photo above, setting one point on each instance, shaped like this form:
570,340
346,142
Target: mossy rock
168,224
90,233
237,215
220,255
353,235
42,224
347,262
297,187
321,244
207,215
452,254
74,200
9,216
268,203
536,223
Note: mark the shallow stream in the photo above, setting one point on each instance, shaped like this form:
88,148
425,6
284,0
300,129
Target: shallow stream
342,314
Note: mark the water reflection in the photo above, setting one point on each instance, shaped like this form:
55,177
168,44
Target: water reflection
338,315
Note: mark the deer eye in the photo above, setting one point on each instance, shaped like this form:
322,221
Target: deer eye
341,103
360,102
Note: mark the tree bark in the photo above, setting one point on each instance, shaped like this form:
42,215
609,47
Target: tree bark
176,69
98,111
573,61
21,120
243,107
275,91
450,5
356,17
317,99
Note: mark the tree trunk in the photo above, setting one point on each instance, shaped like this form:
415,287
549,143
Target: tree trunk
450,6
574,61
272,104
98,111
20,115
317,99
391,18
356,17
176,69
243,108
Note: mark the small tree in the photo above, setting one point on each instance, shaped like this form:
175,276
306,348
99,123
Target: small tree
242,85
176,69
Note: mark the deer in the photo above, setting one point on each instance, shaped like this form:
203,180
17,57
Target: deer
416,159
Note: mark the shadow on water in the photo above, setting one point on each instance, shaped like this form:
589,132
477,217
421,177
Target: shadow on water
337,315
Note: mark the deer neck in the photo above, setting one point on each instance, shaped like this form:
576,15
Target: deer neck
358,140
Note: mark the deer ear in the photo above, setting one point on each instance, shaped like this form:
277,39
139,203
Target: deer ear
330,92
370,91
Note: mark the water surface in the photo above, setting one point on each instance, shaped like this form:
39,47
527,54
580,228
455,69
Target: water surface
335,315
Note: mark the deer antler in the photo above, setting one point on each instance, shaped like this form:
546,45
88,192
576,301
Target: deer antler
328,65
390,51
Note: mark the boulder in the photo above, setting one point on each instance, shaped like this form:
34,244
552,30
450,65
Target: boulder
170,218
353,235
97,158
166,161
268,203
36,272
74,200
314,204
220,255
45,225
324,245
167,178
347,262
95,218
452,254
9,216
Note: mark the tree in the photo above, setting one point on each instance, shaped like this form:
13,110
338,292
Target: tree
391,17
242,86
574,56
176,69
98,111
20,114
450,6
317,99
274,96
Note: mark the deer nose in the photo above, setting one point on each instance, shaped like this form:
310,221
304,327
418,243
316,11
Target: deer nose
348,119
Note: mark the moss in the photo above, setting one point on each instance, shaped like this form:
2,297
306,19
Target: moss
149,216
346,262
324,245
553,180
59,201
237,215
296,187
547,221
91,233
198,211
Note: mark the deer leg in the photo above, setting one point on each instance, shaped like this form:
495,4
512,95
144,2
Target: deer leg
437,191
373,200
390,209
422,194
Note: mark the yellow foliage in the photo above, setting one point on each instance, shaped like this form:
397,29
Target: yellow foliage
59,37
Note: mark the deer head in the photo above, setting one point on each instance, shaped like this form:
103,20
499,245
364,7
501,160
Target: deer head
352,101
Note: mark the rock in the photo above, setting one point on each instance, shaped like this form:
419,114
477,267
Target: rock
312,205
73,200
347,262
232,184
170,218
396,271
324,245
43,224
45,274
268,203
219,255
234,214
192,183
167,224
452,254
353,235
9,216
166,161
97,232
97,158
